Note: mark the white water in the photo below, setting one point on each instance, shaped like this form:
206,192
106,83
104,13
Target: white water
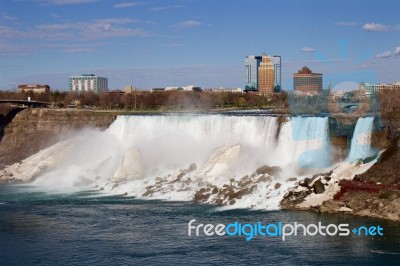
173,142
361,141
145,156
304,142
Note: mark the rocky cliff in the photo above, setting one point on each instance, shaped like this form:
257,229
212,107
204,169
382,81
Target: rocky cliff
374,192
32,130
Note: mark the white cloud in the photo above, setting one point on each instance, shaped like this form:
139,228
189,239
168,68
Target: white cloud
186,24
117,20
375,27
59,34
11,33
13,49
161,8
73,48
128,4
8,17
68,2
385,54
96,29
345,23
307,50
72,37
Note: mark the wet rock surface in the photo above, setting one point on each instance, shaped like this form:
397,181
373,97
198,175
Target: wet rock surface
272,171
386,171
384,203
32,130
225,193
318,187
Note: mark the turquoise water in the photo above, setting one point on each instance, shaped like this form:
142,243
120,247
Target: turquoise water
85,228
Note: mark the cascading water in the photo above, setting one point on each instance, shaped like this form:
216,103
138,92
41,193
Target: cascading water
305,142
361,141
209,158
173,142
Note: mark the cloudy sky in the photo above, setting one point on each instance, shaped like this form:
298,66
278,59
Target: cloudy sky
154,43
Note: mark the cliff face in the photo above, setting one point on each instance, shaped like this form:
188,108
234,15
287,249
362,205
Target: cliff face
373,193
32,130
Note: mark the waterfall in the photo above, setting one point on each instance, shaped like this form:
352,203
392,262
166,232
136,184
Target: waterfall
305,142
179,140
182,157
361,141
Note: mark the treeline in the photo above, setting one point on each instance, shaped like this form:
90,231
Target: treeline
387,102
164,101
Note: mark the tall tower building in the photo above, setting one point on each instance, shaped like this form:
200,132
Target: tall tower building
276,60
308,82
251,65
266,75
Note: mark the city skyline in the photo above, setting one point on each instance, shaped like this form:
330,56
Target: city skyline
172,43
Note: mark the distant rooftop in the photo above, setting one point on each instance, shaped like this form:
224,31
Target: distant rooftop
85,75
306,71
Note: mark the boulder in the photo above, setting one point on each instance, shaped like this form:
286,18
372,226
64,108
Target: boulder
305,182
201,195
345,209
264,178
192,168
131,166
220,162
319,187
272,171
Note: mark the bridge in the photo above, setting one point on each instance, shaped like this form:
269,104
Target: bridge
26,103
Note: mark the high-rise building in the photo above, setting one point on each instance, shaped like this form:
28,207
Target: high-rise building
88,82
252,73
308,82
251,65
266,75
276,60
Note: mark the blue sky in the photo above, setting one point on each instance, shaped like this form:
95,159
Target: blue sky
154,43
